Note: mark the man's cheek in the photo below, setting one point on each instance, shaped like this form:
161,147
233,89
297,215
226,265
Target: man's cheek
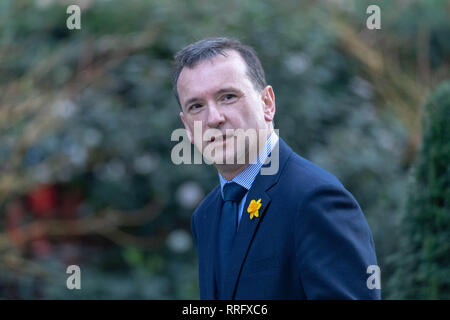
197,133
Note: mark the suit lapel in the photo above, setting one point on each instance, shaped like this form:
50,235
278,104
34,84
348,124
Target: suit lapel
244,236
247,227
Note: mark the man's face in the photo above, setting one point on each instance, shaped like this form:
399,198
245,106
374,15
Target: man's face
218,93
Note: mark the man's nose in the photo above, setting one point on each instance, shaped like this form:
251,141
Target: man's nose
215,117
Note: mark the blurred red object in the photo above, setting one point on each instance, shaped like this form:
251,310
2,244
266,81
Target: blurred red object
43,200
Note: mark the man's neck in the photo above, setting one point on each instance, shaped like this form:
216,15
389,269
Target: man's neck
230,171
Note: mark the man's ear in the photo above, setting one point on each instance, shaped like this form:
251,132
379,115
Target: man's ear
188,130
268,99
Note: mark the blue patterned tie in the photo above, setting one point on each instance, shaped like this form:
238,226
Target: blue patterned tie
232,195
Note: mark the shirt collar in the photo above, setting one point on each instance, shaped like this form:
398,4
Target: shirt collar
248,175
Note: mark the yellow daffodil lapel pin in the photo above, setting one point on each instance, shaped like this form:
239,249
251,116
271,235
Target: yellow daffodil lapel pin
253,208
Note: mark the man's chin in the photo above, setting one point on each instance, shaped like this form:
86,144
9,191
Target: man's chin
227,160
221,160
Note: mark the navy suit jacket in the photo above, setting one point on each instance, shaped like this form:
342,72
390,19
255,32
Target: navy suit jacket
310,241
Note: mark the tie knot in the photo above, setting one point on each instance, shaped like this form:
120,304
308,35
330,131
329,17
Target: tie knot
234,192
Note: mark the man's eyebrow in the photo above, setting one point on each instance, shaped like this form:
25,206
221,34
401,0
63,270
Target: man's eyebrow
194,99
227,90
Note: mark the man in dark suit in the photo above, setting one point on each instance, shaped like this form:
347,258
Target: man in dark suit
294,233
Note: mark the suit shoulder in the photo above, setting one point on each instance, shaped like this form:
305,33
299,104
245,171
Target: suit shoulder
305,181
301,173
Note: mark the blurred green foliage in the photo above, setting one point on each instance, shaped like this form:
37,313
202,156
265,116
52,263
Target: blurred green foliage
90,112
423,264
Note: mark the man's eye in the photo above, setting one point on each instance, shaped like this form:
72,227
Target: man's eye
195,106
229,97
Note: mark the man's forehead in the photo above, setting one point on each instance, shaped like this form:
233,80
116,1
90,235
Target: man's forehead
213,71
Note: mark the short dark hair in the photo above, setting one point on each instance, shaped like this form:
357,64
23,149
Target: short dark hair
207,48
